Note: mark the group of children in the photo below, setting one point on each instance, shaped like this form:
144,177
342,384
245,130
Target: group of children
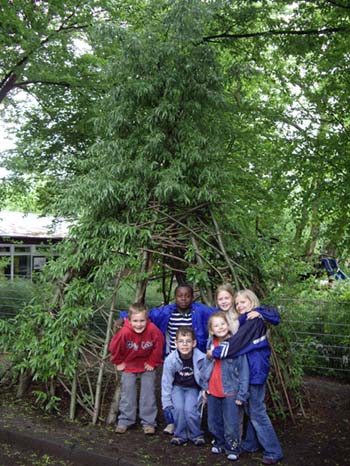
219,356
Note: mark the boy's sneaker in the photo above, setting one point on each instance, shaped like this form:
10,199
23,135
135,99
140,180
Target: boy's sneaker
199,441
149,430
169,429
232,457
216,450
120,429
178,441
270,460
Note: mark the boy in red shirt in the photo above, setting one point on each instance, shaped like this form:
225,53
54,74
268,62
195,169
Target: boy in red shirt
137,349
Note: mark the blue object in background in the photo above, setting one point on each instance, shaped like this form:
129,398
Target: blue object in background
332,267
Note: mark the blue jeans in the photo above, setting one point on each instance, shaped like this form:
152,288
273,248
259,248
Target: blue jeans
260,431
186,415
224,422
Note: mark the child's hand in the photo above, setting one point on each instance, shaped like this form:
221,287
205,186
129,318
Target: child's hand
253,315
239,402
148,367
209,354
121,366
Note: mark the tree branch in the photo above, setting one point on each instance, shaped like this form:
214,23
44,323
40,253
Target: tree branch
339,5
282,32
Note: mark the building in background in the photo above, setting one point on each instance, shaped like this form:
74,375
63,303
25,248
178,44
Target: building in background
26,242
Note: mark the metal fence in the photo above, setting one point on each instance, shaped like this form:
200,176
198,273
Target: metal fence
320,334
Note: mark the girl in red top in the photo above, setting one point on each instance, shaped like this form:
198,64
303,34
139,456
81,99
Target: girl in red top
226,390
137,349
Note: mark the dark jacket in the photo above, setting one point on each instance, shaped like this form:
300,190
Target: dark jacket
200,314
251,339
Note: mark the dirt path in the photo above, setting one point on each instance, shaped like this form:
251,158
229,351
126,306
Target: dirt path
322,438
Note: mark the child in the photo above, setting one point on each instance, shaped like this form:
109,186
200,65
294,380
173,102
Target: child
251,340
180,388
137,349
225,302
226,389
183,313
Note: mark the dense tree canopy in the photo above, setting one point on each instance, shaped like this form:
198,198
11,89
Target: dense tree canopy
242,105
202,140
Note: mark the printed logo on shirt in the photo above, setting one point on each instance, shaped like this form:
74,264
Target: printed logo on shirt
186,371
132,345
135,346
146,344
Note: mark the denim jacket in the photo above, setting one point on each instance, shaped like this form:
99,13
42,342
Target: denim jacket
172,364
234,373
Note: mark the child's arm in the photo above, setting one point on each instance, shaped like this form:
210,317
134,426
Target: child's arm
268,313
117,350
155,359
167,385
251,331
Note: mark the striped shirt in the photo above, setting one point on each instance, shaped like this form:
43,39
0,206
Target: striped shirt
177,319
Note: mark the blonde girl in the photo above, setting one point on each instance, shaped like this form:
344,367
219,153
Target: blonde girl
251,340
225,302
225,384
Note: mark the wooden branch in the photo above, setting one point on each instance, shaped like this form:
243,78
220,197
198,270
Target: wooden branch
114,406
142,284
73,396
195,234
338,5
206,294
23,84
105,350
280,377
224,252
277,32
79,400
166,254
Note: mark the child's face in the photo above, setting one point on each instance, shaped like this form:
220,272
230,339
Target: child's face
225,301
183,298
243,304
138,322
185,344
219,327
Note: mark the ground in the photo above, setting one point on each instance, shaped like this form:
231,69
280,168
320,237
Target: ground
320,438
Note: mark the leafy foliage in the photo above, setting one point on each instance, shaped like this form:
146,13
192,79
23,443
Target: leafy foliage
188,138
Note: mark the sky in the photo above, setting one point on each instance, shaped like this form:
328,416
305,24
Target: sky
5,144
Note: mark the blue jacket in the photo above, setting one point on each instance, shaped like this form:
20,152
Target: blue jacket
251,339
200,314
234,373
172,364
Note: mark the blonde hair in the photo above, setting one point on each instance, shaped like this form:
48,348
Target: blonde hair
231,315
221,314
225,287
136,308
249,294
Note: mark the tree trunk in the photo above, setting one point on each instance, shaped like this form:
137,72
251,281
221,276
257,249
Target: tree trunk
25,379
142,284
114,406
